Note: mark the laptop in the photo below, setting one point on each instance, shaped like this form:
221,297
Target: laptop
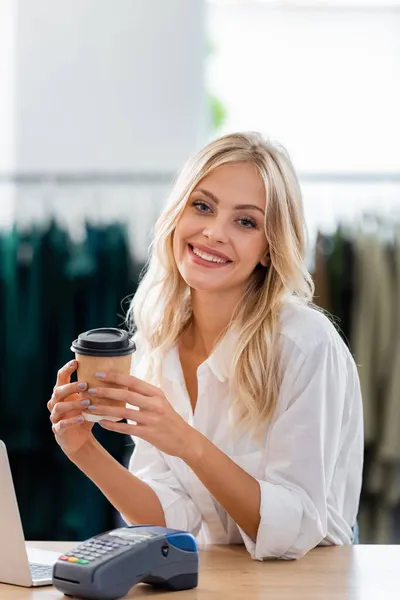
19,564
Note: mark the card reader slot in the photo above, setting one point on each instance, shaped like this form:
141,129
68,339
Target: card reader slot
65,579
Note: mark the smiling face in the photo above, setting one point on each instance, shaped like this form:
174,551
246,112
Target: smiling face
220,238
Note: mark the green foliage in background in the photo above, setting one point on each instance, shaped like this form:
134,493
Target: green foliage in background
218,111
216,107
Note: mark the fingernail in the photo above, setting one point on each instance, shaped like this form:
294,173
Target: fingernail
82,385
92,391
85,402
100,375
72,363
92,407
79,419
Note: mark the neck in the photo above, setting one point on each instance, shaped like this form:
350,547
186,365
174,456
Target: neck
211,314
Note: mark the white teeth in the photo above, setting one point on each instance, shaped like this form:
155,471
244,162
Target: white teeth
208,256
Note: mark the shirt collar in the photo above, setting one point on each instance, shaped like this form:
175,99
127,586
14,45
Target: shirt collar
219,361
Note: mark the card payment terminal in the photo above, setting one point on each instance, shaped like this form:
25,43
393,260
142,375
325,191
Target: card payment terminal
106,566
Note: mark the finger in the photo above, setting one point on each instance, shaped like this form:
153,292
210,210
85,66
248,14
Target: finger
123,396
65,391
127,428
131,382
64,424
64,407
55,416
53,401
129,414
64,374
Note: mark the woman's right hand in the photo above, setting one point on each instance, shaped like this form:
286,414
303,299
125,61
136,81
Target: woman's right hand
65,405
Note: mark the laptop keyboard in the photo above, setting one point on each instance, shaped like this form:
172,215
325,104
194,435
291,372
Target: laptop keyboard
41,571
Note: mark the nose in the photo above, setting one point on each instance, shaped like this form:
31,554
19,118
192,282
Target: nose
215,231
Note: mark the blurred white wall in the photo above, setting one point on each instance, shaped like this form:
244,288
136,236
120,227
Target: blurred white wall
98,87
7,84
108,85
322,78
7,105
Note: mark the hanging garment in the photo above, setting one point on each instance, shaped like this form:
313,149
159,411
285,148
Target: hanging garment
321,279
372,338
51,289
374,344
340,267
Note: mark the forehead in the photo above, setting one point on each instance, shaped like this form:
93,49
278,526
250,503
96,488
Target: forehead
236,183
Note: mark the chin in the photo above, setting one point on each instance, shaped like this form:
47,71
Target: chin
203,286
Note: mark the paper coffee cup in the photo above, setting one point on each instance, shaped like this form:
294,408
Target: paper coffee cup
102,350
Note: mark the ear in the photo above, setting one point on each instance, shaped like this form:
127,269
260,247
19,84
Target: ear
266,260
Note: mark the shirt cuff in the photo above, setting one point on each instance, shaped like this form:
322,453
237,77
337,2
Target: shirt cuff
281,513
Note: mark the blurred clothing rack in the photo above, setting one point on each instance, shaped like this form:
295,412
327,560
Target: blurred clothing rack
146,177
73,198
51,289
136,197
104,177
357,279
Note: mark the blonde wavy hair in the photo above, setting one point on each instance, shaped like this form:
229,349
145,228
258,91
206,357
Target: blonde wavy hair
160,311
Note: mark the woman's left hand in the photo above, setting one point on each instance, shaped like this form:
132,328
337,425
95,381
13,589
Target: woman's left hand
156,420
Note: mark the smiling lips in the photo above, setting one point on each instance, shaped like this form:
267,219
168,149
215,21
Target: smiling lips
207,257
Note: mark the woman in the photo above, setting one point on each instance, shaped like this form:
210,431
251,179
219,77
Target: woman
248,414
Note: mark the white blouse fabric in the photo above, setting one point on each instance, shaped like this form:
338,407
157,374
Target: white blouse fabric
310,467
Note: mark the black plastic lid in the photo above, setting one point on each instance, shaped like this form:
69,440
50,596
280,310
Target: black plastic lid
106,341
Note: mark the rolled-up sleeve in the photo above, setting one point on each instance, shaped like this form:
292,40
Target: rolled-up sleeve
149,465
302,450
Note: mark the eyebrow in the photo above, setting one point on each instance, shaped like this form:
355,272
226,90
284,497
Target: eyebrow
237,207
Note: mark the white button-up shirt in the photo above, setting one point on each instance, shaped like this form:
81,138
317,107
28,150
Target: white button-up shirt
310,467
